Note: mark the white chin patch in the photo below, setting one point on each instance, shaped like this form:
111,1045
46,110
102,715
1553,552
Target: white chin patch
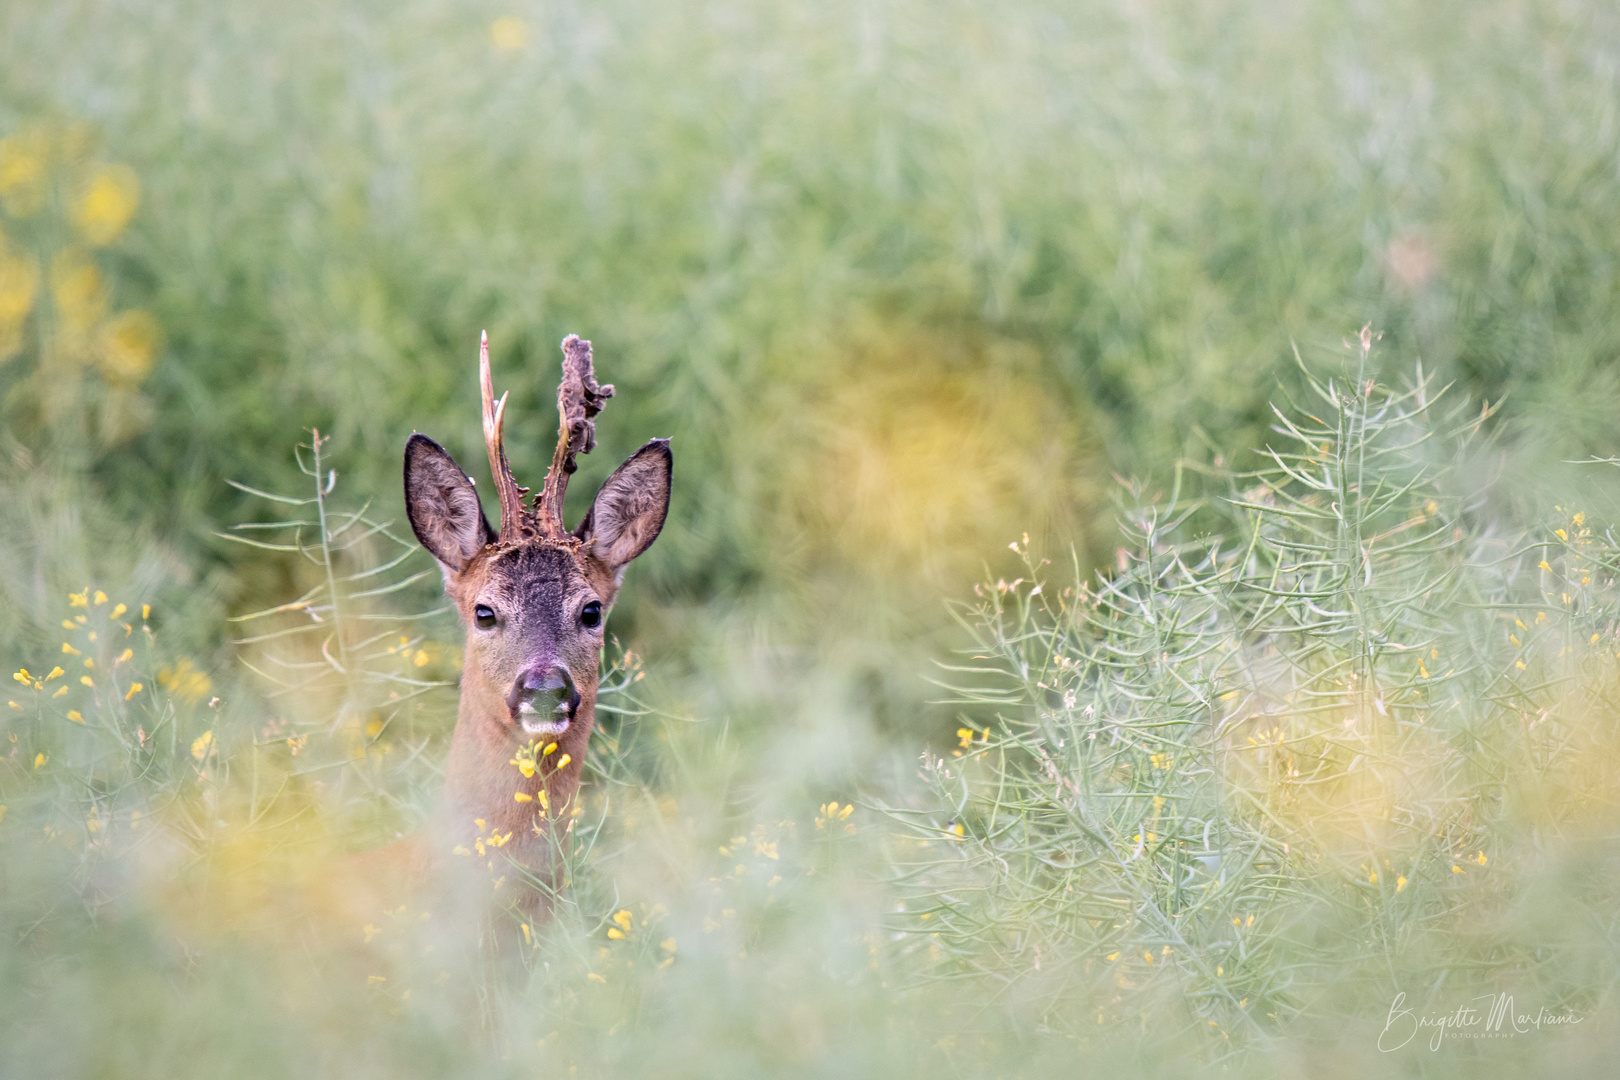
536,726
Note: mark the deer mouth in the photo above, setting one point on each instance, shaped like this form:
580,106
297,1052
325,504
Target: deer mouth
543,702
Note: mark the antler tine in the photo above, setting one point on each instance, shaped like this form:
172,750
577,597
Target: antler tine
579,400
506,486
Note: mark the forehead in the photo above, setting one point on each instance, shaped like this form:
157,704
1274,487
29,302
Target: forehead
534,573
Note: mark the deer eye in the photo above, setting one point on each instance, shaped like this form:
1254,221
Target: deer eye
483,616
591,613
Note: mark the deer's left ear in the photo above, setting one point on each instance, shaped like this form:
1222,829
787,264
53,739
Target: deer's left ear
629,510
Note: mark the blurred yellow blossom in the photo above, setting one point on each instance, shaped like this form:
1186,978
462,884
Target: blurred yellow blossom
108,203
129,342
509,33
184,682
24,171
199,745
77,290
19,281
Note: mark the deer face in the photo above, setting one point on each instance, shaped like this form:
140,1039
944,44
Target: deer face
534,609
536,631
534,596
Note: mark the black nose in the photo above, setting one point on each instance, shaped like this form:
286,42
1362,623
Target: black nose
543,694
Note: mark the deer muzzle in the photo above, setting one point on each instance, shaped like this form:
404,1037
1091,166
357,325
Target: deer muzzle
543,700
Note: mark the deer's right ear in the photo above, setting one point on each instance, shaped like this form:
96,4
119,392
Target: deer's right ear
443,505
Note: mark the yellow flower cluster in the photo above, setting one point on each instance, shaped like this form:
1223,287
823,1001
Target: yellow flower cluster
184,682
831,813
99,199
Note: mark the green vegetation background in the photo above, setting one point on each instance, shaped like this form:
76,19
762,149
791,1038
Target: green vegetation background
904,282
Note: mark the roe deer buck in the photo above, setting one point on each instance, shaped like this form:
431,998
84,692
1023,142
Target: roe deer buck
533,599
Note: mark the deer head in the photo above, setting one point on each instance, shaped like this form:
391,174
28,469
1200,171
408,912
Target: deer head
534,599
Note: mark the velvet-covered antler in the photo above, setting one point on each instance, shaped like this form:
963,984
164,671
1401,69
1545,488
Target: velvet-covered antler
579,400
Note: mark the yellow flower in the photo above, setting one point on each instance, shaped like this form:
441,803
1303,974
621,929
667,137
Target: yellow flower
376,980
55,671
615,933
1544,566
24,171
524,766
1561,534
61,691
199,745
134,688
1480,858
81,599
146,611
1373,880
518,796
563,761
1400,883
1455,869
129,342
966,736
76,287
87,680
101,598
14,705
75,716
459,850
594,977
39,759
668,944
509,33
117,611
1579,518
108,203
19,282
127,654
185,682
849,808
22,676
550,746
623,918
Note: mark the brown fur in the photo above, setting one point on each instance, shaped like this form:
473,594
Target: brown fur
536,580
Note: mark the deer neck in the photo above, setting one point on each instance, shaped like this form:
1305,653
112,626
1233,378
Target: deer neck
494,778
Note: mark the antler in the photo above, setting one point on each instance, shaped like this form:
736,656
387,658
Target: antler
513,523
579,400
